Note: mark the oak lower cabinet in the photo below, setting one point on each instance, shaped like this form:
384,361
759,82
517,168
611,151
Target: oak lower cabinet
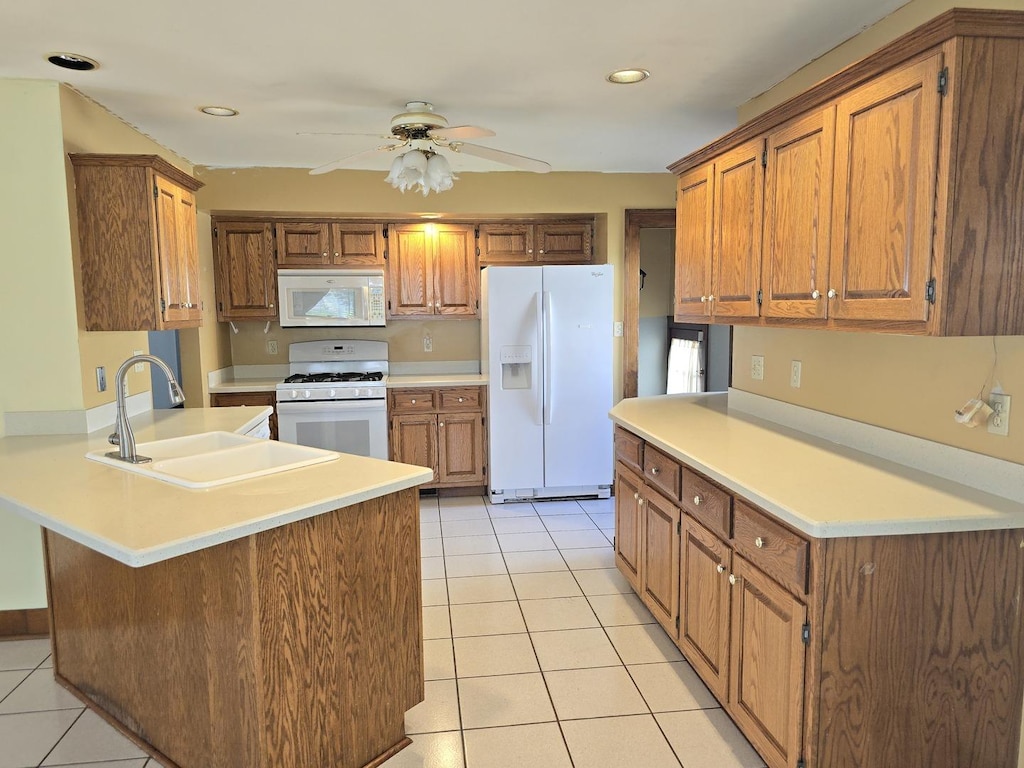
230,399
442,429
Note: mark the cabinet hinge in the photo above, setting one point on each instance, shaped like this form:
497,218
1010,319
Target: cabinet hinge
929,291
215,232
679,527
389,305
943,80
220,306
677,623
805,633
385,254
385,233
801,763
156,192
760,297
764,158
476,234
163,305
478,251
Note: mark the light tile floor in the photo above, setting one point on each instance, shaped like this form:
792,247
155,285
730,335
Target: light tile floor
537,655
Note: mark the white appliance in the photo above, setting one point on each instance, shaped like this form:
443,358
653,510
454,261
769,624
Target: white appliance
335,397
547,348
330,297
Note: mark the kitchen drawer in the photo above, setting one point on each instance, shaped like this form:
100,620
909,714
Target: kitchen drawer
460,399
662,472
707,503
629,449
773,548
413,400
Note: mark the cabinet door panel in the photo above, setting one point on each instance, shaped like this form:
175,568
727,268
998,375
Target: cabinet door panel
659,574
563,243
410,271
736,249
246,273
506,244
627,524
884,198
704,605
767,688
693,243
189,255
455,268
171,242
302,244
414,440
460,448
355,244
798,208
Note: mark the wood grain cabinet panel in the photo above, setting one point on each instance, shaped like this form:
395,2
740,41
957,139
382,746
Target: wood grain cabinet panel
357,244
414,440
536,242
432,270
461,448
707,503
564,243
303,244
736,248
694,234
246,272
230,399
659,571
506,244
662,472
138,246
629,449
773,548
627,524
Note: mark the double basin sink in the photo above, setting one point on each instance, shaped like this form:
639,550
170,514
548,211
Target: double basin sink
215,458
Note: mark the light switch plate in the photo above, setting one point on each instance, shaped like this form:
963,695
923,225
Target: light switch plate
757,367
618,329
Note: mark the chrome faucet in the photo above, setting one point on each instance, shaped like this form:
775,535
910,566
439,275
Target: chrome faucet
122,436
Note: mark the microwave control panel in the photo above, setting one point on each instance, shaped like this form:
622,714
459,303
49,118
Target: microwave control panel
376,309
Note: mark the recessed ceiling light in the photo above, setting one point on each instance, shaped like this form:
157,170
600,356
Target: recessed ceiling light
219,111
72,61
628,76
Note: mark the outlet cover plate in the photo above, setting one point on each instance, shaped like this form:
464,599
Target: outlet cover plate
794,374
999,421
757,367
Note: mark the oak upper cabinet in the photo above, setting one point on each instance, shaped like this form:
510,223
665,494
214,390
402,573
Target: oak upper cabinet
246,273
797,218
432,270
329,244
564,243
536,242
506,243
694,202
736,245
887,143
139,252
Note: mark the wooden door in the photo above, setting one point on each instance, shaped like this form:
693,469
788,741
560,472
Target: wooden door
357,244
410,271
659,552
693,243
460,438
456,275
704,605
736,247
506,244
565,243
766,693
414,440
246,272
303,244
887,136
627,524
798,210
178,264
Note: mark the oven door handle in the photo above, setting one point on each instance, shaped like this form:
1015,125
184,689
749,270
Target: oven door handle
332,405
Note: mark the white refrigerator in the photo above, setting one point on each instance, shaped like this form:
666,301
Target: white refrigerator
546,343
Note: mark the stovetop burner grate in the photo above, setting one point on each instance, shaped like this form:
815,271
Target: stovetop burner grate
306,378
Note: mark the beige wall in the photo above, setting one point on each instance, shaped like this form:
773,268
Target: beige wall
657,259
365,193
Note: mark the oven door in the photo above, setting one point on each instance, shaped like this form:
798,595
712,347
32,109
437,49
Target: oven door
350,426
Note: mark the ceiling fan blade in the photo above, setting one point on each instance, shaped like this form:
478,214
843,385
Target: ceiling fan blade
347,161
508,158
338,133
460,132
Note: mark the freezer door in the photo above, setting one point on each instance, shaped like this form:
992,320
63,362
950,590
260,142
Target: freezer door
511,327
577,381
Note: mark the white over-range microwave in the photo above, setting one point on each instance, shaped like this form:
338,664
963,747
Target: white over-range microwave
331,297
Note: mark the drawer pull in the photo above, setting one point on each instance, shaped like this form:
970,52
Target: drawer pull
720,568
733,579
460,399
441,424
759,542
655,471
413,401
697,500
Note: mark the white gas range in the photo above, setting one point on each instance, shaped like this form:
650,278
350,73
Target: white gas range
336,396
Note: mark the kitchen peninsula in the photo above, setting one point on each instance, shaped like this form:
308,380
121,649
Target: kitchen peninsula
268,622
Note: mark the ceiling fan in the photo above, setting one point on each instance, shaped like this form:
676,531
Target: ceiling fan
421,128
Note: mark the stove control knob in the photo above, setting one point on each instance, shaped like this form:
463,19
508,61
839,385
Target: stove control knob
306,393
332,394
294,393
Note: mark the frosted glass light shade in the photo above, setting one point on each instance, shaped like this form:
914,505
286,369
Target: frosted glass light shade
427,171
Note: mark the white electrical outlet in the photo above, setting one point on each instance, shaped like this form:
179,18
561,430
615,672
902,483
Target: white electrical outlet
757,367
139,367
999,421
794,374
618,329
271,346
428,343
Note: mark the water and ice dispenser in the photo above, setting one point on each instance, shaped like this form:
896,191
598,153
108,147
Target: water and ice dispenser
516,367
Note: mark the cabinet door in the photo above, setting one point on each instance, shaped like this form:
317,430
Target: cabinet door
704,605
357,244
736,248
177,254
566,243
246,273
231,399
460,438
303,244
456,275
693,244
410,271
798,210
659,546
887,137
627,524
414,440
506,244
766,693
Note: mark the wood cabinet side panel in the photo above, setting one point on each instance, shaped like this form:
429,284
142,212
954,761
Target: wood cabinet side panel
922,651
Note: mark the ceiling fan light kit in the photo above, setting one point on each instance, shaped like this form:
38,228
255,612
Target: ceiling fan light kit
421,170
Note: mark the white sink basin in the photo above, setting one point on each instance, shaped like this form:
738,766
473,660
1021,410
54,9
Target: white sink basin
215,458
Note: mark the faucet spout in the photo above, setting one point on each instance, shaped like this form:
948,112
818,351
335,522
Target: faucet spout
123,437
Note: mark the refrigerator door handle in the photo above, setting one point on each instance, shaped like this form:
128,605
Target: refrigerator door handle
548,340
539,398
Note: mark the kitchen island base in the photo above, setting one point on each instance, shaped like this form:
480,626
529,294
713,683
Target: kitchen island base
295,647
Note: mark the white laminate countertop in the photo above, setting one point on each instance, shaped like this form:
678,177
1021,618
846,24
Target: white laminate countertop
821,488
139,520
424,380
246,385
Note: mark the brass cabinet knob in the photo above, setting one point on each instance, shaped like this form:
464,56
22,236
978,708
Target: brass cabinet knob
697,501
720,568
655,471
815,294
831,293
461,399
733,579
703,299
759,542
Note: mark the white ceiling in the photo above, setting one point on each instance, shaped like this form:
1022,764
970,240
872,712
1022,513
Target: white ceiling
532,70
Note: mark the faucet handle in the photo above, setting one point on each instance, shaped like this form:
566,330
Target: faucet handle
113,438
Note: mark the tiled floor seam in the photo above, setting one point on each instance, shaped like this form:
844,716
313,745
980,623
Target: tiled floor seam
62,737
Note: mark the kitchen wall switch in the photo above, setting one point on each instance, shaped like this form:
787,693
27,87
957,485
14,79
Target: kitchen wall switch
271,346
101,379
794,374
618,329
428,343
757,367
999,421
139,367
